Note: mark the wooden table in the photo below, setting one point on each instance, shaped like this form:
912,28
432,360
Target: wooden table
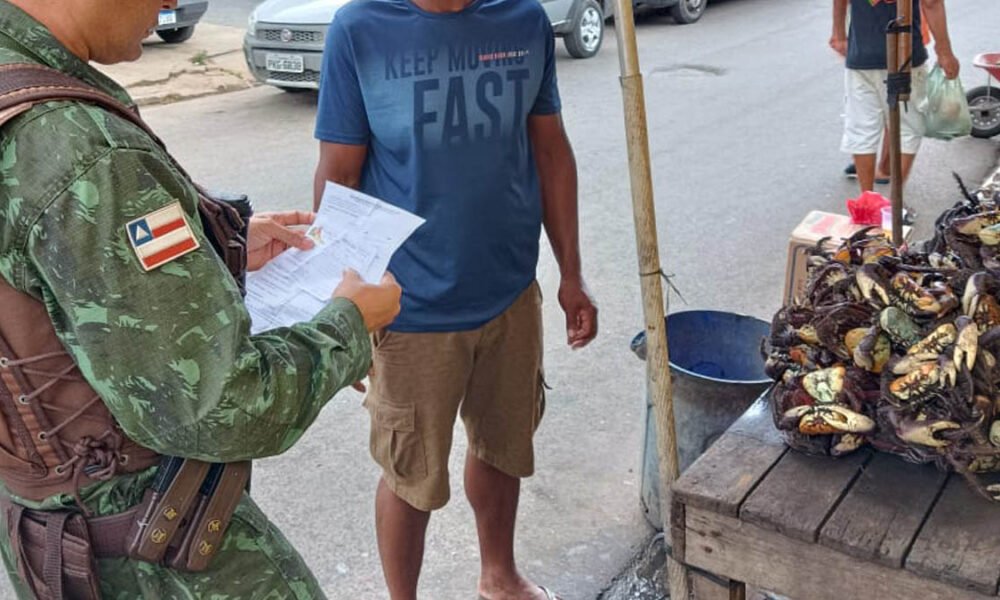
867,526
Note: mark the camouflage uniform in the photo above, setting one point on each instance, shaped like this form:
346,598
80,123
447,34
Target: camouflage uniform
170,350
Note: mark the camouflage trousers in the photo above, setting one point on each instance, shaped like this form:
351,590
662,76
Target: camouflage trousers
255,561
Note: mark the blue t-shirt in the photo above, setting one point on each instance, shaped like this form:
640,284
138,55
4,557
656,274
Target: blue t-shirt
866,47
441,100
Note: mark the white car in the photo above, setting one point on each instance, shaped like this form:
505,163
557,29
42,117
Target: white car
284,41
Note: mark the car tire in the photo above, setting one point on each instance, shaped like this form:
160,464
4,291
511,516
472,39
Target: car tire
688,11
176,36
584,39
984,105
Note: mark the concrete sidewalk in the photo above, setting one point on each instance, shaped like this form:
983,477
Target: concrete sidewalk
211,62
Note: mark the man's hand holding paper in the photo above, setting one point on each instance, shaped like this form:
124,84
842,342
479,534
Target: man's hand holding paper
272,233
351,231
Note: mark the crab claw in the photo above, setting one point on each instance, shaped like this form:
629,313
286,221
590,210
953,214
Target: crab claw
994,491
973,224
949,372
849,442
970,297
967,344
922,432
989,236
828,418
871,283
908,364
935,342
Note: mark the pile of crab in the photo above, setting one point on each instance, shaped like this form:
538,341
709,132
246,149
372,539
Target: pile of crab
898,350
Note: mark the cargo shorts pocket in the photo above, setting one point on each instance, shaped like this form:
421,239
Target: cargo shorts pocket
540,399
395,443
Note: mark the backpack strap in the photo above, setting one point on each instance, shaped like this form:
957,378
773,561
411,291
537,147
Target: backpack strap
25,85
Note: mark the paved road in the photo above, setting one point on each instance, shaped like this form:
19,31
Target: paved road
744,127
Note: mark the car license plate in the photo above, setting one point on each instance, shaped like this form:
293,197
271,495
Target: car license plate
168,17
284,63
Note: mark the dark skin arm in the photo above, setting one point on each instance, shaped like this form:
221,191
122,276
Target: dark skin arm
339,163
557,174
838,39
937,21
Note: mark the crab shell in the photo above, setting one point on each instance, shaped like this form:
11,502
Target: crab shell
899,325
825,385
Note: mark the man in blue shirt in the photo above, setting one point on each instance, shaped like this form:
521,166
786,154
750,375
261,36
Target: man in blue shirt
450,109
864,49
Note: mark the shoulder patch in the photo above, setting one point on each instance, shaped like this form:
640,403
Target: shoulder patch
161,236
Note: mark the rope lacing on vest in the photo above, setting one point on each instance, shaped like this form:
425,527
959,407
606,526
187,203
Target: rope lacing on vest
95,457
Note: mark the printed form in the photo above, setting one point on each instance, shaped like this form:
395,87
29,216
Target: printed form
352,231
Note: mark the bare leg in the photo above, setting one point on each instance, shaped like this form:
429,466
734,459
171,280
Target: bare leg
400,530
865,165
907,165
494,496
882,172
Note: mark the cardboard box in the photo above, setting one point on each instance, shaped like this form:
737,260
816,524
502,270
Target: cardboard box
816,226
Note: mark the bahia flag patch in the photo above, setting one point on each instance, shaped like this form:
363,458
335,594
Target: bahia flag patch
161,236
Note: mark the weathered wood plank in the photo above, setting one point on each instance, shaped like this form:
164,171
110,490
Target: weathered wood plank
803,571
705,587
799,493
960,542
722,477
883,511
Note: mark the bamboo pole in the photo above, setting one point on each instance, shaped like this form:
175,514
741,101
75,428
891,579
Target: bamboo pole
644,213
899,51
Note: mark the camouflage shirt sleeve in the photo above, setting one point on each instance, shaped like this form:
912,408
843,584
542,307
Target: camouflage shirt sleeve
169,350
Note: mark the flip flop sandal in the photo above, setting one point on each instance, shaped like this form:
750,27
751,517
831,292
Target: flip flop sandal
549,594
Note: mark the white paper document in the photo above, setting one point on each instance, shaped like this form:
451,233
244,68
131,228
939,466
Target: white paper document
352,231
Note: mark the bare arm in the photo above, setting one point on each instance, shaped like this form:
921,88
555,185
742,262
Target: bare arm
557,174
339,163
838,39
937,21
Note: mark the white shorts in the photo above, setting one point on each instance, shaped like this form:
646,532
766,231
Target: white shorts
867,112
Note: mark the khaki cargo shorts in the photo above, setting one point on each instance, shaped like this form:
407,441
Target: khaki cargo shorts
420,383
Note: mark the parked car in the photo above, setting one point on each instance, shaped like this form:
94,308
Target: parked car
684,12
283,45
178,25
580,23
284,40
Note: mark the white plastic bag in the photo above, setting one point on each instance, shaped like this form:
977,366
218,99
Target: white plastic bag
945,110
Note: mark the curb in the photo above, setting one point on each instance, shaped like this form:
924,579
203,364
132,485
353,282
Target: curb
211,62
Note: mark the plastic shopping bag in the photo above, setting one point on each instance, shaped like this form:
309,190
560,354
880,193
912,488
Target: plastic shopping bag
945,110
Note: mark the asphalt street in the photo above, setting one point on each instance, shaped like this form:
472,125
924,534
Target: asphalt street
744,115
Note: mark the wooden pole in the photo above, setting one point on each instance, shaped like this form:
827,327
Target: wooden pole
899,50
644,213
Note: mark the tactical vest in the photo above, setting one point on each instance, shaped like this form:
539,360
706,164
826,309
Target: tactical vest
56,435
